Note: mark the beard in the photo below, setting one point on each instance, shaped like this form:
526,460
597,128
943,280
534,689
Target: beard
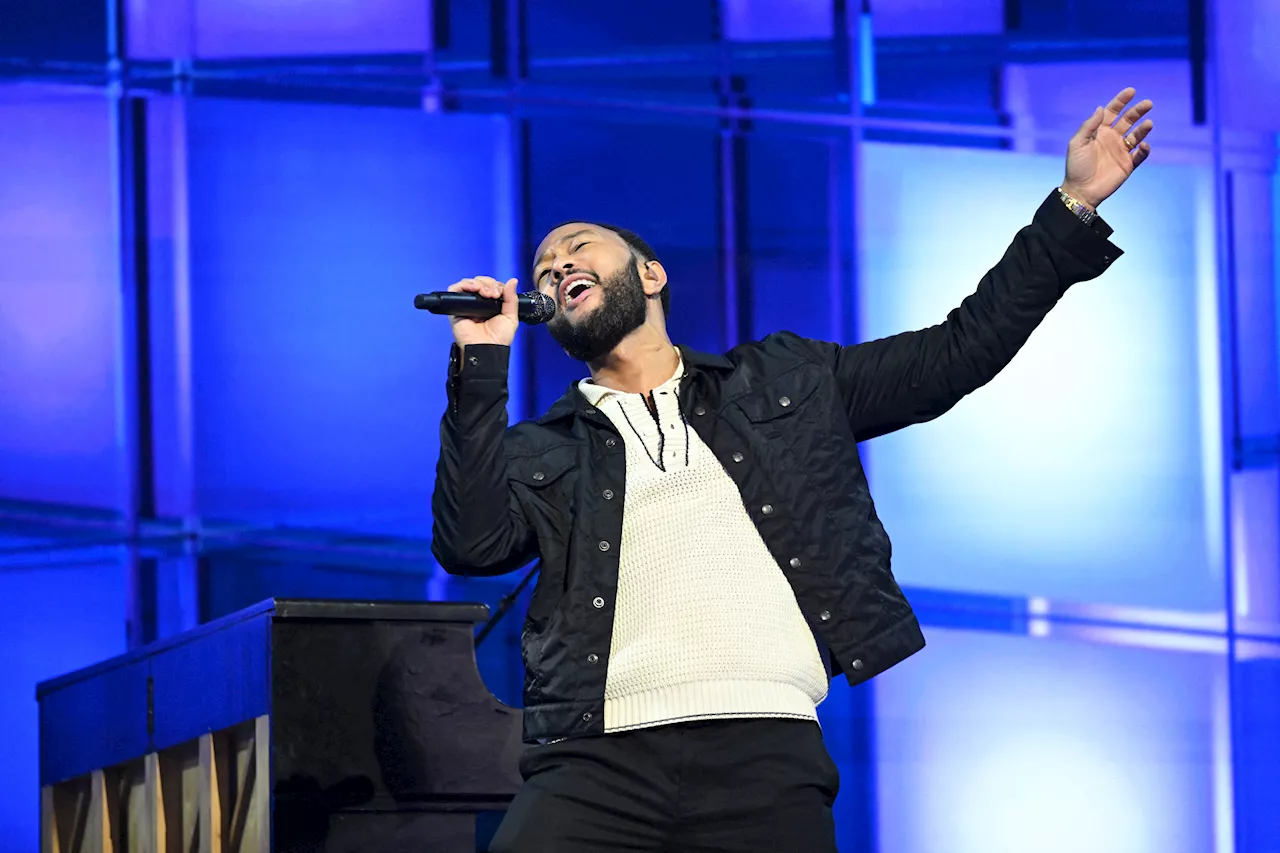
621,311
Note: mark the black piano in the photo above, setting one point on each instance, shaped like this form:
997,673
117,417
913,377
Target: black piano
288,726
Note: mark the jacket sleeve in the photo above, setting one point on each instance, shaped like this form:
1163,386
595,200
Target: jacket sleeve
478,526
914,377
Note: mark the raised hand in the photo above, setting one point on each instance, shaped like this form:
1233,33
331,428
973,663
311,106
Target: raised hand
1107,148
498,329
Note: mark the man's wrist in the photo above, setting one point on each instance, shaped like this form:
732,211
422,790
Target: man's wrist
1077,204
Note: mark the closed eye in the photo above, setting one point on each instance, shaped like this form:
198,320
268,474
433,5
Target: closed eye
537,282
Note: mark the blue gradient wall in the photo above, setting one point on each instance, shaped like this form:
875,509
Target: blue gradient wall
59,304
318,388
1001,744
57,618
1089,470
1091,540
59,424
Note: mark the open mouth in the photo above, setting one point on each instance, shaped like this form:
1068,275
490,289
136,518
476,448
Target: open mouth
576,289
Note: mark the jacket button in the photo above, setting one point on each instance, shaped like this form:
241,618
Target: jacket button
598,602
586,718
825,616
857,664
784,401
737,457
608,494
593,658
609,442
699,411
795,562
538,475
473,360
604,546
767,509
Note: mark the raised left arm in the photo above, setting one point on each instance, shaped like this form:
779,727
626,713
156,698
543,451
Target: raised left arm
916,376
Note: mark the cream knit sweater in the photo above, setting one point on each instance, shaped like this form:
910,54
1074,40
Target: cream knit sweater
706,625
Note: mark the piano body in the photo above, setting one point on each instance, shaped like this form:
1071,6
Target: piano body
334,726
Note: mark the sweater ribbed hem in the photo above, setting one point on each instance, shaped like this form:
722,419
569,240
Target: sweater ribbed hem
707,700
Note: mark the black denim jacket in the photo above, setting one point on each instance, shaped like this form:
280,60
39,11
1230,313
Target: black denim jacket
784,416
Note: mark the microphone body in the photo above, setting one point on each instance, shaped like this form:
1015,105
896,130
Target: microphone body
532,307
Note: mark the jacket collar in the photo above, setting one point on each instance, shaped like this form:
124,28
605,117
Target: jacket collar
573,403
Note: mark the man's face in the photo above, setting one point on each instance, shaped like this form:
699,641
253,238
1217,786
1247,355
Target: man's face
592,275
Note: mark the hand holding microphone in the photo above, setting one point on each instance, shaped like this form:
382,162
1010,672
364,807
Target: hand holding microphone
498,329
484,311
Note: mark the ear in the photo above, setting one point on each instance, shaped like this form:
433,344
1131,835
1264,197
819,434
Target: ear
654,278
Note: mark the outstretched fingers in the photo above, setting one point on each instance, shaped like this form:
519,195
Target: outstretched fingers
1117,105
1133,115
1140,133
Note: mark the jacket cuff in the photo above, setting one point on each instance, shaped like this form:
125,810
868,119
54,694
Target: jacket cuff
480,361
1089,244
477,363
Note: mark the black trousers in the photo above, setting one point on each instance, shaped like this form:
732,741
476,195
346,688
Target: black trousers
749,786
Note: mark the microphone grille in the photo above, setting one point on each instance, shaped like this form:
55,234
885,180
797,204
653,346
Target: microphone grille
544,308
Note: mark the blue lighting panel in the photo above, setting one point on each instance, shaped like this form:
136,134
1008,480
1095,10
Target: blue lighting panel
555,27
937,17
765,20
47,632
55,29
768,20
235,28
1247,32
1257,745
996,744
1089,469
796,246
319,388
59,299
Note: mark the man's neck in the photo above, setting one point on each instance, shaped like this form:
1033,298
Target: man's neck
642,362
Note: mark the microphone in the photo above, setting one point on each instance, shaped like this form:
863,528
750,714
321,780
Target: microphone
532,307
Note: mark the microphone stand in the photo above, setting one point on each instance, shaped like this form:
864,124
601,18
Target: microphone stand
507,602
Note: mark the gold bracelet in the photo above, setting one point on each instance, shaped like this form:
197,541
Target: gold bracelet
1076,206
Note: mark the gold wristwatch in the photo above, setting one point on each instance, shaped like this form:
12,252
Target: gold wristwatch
1077,207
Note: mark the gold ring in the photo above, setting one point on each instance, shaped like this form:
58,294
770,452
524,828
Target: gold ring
1130,143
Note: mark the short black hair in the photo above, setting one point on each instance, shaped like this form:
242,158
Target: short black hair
639,247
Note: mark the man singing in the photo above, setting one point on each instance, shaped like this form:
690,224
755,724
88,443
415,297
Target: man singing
710,556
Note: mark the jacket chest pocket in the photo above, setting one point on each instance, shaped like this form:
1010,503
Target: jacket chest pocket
791,417
545,477
544,486
786,399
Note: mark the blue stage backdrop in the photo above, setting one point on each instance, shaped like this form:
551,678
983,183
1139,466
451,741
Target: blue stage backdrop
60,612
319,389
1092,541
1090,469
60,609
994,744
59,300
